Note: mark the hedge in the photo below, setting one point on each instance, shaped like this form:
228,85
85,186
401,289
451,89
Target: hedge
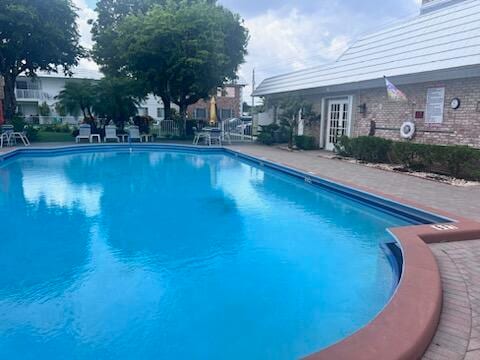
458,161
304,142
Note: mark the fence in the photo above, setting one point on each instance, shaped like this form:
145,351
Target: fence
237,130
52,120
166,128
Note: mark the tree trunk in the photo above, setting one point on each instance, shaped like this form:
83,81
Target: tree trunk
90,113
10,102
167,107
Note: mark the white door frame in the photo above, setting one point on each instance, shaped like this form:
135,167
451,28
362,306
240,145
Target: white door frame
325,128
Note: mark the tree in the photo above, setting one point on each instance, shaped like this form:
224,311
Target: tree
78,95
36,35
183,50
292,108
117,99
110,14
44,109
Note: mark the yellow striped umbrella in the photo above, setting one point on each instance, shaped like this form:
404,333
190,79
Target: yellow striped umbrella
213,112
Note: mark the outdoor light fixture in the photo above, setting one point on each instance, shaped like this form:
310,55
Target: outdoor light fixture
362,109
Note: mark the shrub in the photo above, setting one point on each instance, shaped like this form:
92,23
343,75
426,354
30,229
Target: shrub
32,132
414,156
305,142
273,134
343,146
18,123
463,162
457,161
366,148
267,134
143,123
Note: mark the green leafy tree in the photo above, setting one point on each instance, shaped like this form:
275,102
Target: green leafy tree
44,109
290,109
117,99
78,96
36,35
183,50
110,14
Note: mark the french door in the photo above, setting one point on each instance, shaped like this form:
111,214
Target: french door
337,122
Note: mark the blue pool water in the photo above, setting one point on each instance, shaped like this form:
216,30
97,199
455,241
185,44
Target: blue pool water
169,255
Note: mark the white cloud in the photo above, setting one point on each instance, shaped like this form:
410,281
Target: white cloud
286,42
286,39
85,13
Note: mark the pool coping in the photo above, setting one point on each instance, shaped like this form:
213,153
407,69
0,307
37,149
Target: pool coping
407,324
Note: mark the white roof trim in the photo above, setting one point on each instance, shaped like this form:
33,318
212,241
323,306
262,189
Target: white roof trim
445,39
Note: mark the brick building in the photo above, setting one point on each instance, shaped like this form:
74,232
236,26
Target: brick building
228,100
434,58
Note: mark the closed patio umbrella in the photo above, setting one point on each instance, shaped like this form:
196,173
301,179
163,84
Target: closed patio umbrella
213,112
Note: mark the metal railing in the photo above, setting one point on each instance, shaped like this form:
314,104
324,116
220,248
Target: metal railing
32,94
52,120
237,130
166,128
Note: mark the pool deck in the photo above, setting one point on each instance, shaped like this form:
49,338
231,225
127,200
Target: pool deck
458,334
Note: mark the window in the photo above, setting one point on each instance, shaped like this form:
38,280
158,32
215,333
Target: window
226,114
200,113
27,85
142,111
228,91
22,84
161,113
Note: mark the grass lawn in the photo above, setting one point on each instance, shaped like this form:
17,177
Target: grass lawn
48,136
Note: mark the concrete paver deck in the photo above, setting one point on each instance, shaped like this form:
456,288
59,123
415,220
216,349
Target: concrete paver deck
458,334
464,201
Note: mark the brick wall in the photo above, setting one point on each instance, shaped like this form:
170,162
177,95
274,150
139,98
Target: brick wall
461,126
223,102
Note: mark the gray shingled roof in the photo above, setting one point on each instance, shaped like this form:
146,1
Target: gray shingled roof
445,38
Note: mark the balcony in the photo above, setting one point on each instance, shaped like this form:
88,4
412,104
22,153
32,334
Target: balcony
30,94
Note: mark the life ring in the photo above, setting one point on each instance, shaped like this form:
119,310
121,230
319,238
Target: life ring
407,131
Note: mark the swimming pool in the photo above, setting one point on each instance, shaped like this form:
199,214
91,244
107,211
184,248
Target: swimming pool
176,254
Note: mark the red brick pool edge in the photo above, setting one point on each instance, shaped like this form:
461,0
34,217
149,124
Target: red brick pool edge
405,328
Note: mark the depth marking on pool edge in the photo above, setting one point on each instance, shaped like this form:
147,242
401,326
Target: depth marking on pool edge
444,227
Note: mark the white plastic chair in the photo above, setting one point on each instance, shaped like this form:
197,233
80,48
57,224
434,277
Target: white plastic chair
215,136
6,135
111,133
134,134
199,135
84,132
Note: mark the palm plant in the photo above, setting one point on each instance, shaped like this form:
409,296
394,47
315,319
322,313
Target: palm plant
117,99
78,96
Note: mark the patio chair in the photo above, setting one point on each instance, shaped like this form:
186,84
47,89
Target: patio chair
19,135
6,131
199,135
215,136
111,133
84,133
134,134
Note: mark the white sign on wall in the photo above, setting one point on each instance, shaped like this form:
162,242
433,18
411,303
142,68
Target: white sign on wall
435,106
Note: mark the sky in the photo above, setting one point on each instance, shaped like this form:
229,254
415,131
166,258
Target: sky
288,35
